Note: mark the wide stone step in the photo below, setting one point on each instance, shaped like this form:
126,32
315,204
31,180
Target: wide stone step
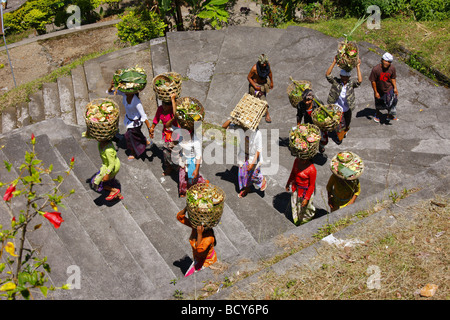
57,242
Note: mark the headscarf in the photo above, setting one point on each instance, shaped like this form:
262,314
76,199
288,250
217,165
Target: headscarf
263,72
308,94
388,57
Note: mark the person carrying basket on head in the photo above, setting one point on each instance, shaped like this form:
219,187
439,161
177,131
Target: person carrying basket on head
203,242
261,81
134,119
105,178
342,93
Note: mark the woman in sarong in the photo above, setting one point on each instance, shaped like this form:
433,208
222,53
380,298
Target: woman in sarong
342,193
105,178
134,118
164,113
202,242
301,182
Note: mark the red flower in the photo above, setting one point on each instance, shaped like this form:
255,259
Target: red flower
33,139
8,194
54,218
72,160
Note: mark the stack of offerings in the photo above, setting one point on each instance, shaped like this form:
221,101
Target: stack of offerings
102,119
188,111
130,80
304,141
347,55
295,91
327,117
347,165
249,112
166,84
204,204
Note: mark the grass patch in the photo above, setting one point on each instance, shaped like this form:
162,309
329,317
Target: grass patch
427,39
393,263
22,92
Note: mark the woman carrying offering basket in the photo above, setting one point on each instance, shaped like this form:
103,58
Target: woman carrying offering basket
165,114
342,93
202,241
304,111
343,186
302,182
190,149
105,178
134,118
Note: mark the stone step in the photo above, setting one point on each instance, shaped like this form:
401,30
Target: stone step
9,119
142,211
67,99
23,114
36,107
106,229
50,94
80,92
159,56
56,243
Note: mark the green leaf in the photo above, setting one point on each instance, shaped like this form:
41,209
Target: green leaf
217,2
7,165
206,14
44,290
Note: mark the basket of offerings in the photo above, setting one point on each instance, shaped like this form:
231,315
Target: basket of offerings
295,91
130,80
347,165
102,119
204,204
249,112
304,141
166,84
188,111
327,117
347,55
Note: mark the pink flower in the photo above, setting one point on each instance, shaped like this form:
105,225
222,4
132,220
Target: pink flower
54,218
9,192
311,139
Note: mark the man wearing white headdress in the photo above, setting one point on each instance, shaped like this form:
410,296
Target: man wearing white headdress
384,84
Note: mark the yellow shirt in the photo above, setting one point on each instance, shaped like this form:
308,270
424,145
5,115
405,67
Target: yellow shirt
343,190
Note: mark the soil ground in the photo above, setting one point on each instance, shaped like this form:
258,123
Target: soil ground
34,60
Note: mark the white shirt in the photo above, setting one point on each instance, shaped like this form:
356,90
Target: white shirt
255,145
342,100
190,148
134,110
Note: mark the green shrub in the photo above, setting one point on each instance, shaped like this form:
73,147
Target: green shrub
431,9
137,28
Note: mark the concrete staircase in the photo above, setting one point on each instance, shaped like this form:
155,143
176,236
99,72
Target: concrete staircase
134,248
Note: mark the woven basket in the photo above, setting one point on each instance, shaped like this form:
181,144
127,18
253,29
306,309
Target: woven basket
102,131
295,99
249,112
344,61
208,217
354,159
188,124
164,92
313,147
139,88
330,124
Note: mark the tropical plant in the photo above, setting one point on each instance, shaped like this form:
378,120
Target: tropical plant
23,272
137,27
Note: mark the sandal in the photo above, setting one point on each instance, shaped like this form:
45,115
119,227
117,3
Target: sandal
264,184
242,194
112,196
